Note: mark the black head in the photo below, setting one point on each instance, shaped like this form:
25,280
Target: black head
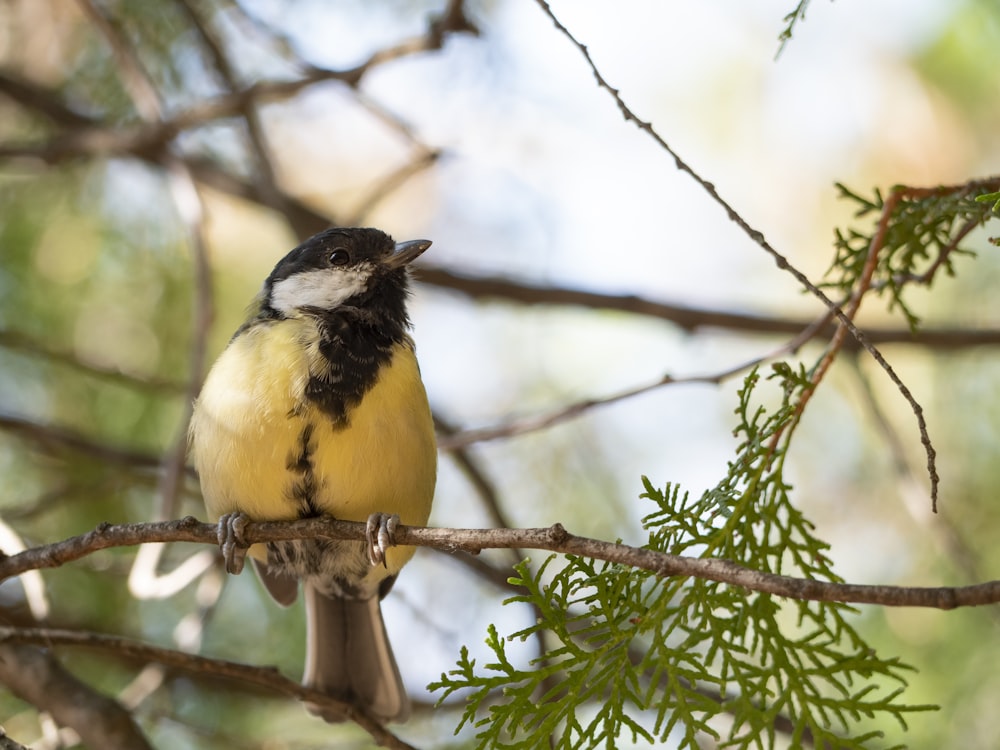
340,270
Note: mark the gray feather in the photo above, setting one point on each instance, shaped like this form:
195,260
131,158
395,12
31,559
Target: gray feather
348,656
282,587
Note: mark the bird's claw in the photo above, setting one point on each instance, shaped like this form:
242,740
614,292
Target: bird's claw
380,534
232,541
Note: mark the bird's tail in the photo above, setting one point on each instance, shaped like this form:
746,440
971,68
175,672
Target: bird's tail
348,656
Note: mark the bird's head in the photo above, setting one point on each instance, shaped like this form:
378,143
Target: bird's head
359,270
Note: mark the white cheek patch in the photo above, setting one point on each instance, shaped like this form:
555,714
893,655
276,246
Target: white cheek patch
325,288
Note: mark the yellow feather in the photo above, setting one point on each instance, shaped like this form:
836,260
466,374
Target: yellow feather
248,424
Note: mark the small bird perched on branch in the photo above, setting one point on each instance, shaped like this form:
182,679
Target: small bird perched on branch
316,407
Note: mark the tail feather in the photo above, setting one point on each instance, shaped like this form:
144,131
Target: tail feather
349,657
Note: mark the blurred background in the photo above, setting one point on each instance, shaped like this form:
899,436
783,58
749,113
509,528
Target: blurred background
156,160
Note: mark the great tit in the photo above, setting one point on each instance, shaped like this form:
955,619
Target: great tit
316,407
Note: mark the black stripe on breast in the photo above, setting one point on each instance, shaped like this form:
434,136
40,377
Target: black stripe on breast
303,482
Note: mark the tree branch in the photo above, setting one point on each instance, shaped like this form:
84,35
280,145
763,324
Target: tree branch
15,341
554,538
52,438
690,319
8,743
38,678
263,677
147,142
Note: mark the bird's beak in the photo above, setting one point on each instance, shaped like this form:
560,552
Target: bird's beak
407,252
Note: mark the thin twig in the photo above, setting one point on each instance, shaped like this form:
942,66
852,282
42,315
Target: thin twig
946,252
850,310
534,423
758,238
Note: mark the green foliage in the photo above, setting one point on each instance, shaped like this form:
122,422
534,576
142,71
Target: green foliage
922,235
994,199
635,656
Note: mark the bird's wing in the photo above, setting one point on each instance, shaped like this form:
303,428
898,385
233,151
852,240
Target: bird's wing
283,588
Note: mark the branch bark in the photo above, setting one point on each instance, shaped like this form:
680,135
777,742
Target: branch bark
691,319
8,743
554,538
37,677
22,640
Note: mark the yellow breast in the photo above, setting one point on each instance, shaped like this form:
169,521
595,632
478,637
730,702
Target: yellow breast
247,433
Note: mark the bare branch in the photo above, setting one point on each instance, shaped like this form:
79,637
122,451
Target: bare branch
689,318
38,678
8,743
147,143
533,423
266,179
52,439
158,130
305,221
267,678
41,100
25,344
134,77
554,538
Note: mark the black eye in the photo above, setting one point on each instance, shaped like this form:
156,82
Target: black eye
340,257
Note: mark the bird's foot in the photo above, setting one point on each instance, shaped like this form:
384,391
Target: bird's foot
232,541
380,534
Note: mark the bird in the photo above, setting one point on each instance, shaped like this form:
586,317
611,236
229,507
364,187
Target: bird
316,407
